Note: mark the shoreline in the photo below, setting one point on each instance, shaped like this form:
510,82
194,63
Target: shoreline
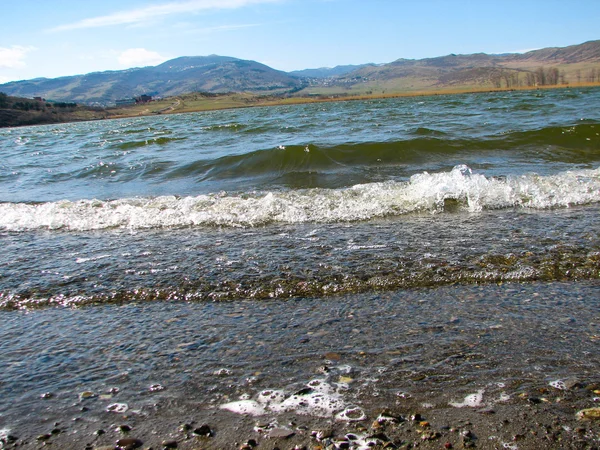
490,367
261,102
176,105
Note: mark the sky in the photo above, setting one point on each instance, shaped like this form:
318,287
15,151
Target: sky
52,38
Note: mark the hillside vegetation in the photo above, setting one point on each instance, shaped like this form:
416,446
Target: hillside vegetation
15,111
576,64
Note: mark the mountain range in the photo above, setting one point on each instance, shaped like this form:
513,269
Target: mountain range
219,74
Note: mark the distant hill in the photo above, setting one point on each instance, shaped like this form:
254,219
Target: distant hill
586,52
561,65
327,72
220,74
215,74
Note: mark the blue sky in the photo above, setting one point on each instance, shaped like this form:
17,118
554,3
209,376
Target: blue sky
51,38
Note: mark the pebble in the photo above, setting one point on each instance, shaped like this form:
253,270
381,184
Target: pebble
86,394
117,407
322,434
341,445
387,417
430,435
280,433
589,414
169,444
185,427
203,430
7,438
128,443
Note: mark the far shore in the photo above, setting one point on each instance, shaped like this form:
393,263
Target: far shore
184,104
198,102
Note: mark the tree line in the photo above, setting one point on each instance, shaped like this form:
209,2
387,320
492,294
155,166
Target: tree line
549,76
23,104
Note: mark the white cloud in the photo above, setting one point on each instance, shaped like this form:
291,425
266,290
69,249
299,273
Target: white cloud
14,57
135,57
138,16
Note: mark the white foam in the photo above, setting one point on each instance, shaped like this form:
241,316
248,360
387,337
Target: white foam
320,400
313,404
351,414
96,258
271,396
250,407
504,397
558,384
472,400
423,192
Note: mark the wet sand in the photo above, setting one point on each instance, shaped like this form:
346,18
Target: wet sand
494,366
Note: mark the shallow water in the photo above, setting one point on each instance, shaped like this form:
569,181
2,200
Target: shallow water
430,251
301,260
408,347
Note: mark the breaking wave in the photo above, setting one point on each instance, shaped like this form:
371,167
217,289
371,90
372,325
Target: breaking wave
457,190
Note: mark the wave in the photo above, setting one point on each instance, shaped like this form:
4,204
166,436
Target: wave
457,190
574,145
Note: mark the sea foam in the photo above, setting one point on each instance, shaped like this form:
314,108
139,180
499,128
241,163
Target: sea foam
458,189
319,399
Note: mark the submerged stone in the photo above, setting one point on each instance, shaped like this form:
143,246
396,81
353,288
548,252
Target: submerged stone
86,394
128,443
589,414
203,430
280,433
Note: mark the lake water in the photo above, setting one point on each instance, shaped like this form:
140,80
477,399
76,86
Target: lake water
255,241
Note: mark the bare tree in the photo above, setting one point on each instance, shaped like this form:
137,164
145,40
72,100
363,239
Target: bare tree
552,76
515,79
496,79
540,76
530,79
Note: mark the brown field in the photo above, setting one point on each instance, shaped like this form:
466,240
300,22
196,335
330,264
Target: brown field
198,102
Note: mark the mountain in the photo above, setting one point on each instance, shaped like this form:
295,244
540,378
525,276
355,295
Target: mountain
586,52
560,65
215,74
219,74
328,72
